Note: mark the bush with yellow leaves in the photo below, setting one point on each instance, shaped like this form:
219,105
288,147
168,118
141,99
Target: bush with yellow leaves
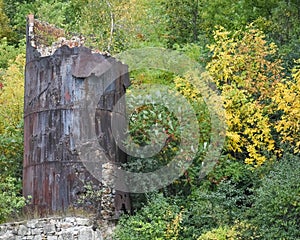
12,94
247,78
287,100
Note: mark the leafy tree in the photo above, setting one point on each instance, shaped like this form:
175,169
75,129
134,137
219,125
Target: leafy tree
286,98
52,11
11,138
182,21
7,54
246,78
119,25
276,210
11,155
6,30
102,21
285,18
194,21
146,23
11,94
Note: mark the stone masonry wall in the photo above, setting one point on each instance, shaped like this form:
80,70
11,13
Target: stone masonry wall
55,228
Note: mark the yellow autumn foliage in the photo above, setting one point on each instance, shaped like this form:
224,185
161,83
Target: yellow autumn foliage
247,79
173,227
184,87
12,94
287,99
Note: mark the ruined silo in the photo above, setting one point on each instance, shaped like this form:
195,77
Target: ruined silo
60,73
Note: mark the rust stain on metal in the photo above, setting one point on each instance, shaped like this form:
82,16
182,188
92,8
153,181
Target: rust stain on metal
55,76
67,96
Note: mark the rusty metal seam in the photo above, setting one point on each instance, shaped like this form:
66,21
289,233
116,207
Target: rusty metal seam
49,110
56,161
55,109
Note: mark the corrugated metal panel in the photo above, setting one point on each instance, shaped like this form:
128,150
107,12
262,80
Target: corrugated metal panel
53,174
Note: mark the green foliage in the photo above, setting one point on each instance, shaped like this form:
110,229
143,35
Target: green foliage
220,207
52,11
148,119
284,31
185,88
145,24
148,123
234,232
252,204
10,200
182,21
11,158
151,76
90,199
145,119
159,219
11,133
11,152
111,25
7,53
5,28
194,21
217,207
119,25
276,211
221,233
285,18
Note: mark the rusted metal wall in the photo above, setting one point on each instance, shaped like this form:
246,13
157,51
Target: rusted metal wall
53,173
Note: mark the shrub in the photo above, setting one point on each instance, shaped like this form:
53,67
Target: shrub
10,200
276,212
11,135
210,209
286,98
221,233
159,219
245,75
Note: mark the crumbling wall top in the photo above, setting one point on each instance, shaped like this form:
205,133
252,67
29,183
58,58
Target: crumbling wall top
46,38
